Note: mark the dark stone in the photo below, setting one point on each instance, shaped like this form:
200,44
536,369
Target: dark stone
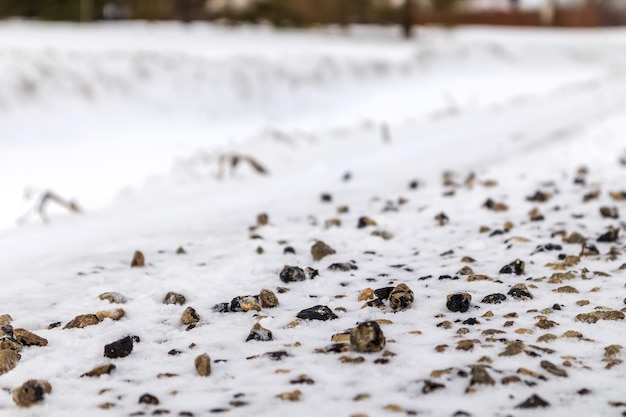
99,370
547,247
54,325
31,392
364,222
401,298
556,307
337,348
174,298
148,399
496,232
343,267
367,338
259,333
289,249
534,401
119,349
383,293
458,302
268,298
377,302
610,236
454,278
589,250
81,321
413,185
276,356
430,386
517,267
138,260
471,321
317,312
539,196
495,298
326,197
520,292
481,376
609,212
221,308
312,273
245,303
262,219
320,250
291,274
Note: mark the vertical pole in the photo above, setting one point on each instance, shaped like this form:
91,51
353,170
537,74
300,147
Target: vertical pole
86,10
407,19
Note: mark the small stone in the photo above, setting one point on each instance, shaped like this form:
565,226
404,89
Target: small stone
260,250
289,250
465,345
317,312
326,197
442,218
189,316
8,360
320,250
342,267
468,259
174,298
203,364
259,333
181,251
262,219
574,238
494,206
383,293
342,209
430,386
367,337
290,396
594,316
120,348
545,324
612,350
113,297
365,221
573,334
366,294
302,379
458,302
221,308
54,325
517,267
401,298
566,289
495,298
534,401
511,379
245,303
553,369
100,370
535,215
548,337
610,236
138,260
512,349
81,321
268,298
466,270
5,319
27,338
291,274
481,376
114,314
148,399
31,392
311,272
520,292
609,212
334,222
539,197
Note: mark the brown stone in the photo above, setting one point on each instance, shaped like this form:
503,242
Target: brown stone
114,314
27,338
367,337
174,298
189,316
31,392
594,316
401,297
113,297
320,250
138,260
203,365
81,321
553,369
290,396
8,360
5,319
100,370
268,298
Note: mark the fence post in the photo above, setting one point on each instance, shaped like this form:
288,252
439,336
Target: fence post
86,10
408,18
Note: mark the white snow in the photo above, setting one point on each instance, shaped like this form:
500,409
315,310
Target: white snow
129,119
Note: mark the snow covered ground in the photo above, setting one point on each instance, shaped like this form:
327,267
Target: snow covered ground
130,120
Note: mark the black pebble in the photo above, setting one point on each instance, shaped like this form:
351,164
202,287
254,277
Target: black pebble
459,302
383,293
317,312
291,274
289,249
148,399
119,349
495,298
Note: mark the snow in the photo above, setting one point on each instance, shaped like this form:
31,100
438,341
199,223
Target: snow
130,119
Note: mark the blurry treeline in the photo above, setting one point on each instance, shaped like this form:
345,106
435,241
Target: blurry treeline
304,13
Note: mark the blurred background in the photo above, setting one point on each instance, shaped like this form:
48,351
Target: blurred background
306,13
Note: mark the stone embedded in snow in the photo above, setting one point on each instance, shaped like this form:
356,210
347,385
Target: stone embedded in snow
81,321
174,298
289,250
221,308
442,218
259,333
495,298
320,250
609,212
290,396
383,293
401,298
594,316
610,236
113,297
245,303
138,260
5,319
342,267
317,312
292,274
8,360
31,392
574,238
367,337
27,338
311,272
458,302
517,267
520,292
534,401
589,250
181,251
114,314
365,221
99,370
262,219
494,206
480,376
326,197
553,369
203,364
268,298
539,196
120,348
148,399
189,316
